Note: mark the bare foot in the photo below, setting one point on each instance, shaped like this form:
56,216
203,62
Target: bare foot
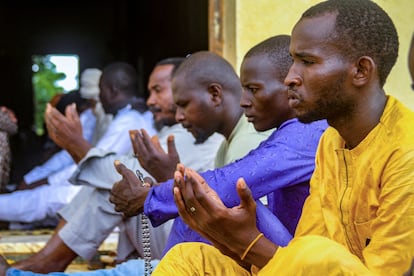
55,256
3,266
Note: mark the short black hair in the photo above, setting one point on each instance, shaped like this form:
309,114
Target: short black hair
174,61
362,29
124,76
276,48
70,97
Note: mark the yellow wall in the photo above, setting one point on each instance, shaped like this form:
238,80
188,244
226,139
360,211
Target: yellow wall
257,20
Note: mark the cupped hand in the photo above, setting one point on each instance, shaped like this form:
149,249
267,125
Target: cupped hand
152,157
63,129
129,194
229,229
66,131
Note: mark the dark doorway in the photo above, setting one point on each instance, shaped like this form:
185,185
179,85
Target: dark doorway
99,32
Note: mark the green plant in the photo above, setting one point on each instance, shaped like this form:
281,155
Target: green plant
44,81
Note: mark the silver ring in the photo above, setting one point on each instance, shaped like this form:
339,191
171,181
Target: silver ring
192,209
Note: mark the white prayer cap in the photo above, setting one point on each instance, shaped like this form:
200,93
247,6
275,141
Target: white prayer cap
89,83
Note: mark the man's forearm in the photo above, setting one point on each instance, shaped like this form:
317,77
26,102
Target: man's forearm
97,169
78,150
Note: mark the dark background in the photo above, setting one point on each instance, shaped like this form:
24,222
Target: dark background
140,32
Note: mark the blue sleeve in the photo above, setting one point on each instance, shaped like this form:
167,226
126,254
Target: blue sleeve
286,158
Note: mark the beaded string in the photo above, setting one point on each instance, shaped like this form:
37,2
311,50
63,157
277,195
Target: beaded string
146,241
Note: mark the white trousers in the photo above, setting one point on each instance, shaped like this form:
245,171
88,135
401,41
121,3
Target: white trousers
36,204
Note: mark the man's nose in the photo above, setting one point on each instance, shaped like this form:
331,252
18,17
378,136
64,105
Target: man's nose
292,78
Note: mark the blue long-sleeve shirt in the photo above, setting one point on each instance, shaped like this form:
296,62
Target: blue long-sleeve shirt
280,167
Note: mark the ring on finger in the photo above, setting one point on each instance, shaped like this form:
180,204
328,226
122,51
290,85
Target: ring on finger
192,209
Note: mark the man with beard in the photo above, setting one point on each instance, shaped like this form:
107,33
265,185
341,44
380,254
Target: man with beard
207,93
359,216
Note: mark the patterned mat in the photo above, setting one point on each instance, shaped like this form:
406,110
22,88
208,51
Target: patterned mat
16,245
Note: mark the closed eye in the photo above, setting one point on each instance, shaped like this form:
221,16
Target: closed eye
307,62
181,104
251,89
304,58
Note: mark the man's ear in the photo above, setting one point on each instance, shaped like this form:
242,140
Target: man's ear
365,69
215,90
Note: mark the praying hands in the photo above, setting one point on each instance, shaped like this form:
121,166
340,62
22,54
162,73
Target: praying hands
152,157
66,131
232,230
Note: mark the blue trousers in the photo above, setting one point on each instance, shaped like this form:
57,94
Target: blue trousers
131,267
